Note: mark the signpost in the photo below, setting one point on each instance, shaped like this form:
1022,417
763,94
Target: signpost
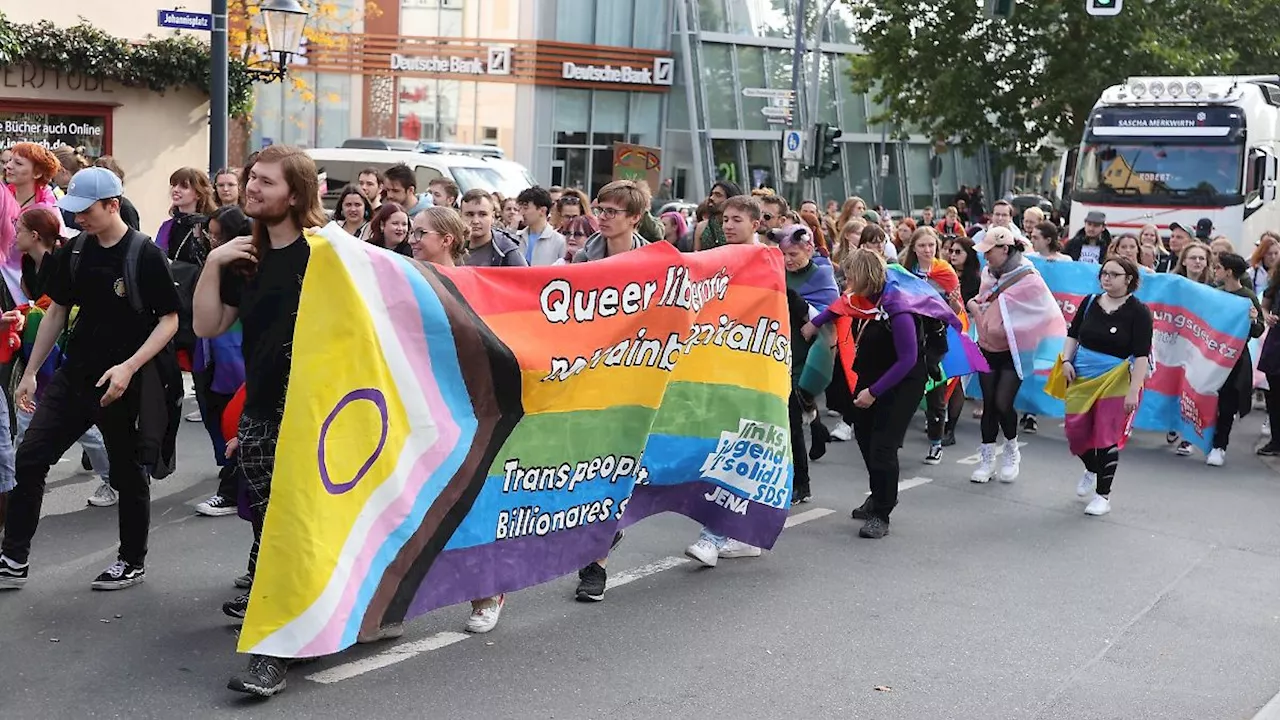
793,145
791,171
184,20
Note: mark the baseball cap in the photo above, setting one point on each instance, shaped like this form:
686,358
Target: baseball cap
995,237
1204,228
1096,217
88,187
1179,226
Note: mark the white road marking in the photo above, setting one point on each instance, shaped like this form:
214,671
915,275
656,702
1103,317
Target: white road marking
653,568
406,651
391,656
1270,711
976,458
908,484
806,516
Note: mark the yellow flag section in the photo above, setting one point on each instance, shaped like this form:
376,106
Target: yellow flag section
350,446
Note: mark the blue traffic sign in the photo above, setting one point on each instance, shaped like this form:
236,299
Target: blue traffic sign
184,20
793,145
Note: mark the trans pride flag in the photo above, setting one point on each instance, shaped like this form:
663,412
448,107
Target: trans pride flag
452,434
1199,333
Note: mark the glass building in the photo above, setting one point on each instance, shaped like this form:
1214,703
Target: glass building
713,119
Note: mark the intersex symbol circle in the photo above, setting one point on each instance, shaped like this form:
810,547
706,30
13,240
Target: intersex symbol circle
379,401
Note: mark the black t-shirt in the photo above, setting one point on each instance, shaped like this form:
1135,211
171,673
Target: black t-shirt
1123,333
876,353
268,304
36,282
107,331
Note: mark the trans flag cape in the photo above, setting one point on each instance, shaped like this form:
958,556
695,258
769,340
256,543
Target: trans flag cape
1199,333
1035,328
906,293
452,434
817,285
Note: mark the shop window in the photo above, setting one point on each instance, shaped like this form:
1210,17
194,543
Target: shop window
53,124
613,22
608,117
752,75
333,109
574,164
725,155
575,21
833,185
712,16
858,170
760,157
572,114
718,86
489,135
919,180
646,118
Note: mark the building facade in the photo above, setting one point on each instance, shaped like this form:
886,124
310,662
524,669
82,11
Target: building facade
558,84
149,134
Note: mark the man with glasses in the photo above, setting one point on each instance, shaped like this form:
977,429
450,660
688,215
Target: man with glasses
569,206
1001,216
774,215
619,207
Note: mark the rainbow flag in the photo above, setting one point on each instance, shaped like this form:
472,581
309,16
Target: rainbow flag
905,292
1095,414
452,434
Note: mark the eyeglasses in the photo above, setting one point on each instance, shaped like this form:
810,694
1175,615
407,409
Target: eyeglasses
418,234
609,213
1113,275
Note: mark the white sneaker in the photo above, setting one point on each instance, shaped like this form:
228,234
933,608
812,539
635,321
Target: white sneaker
1217,458
987,465
104,496
833,413
735,549
1098,506
810,416
1011,461
194,417
485,618
704,551
1088,481
842,432
1184,449
1266,428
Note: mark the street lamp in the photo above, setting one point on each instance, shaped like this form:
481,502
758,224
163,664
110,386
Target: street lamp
284,21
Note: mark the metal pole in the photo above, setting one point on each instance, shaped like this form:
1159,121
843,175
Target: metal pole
815,90
798,119
218,111
700,152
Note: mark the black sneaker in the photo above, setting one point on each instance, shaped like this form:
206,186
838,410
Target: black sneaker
874,529
236,608
1171,437
935,455
800,496
591,583
12,575
949,439
119,576
264,677
864,512
1030,424
819,436
1271,449
617,539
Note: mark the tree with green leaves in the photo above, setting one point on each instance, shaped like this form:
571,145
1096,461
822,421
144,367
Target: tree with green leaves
1019,84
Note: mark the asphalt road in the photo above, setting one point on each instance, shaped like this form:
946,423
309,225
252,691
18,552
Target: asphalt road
986,601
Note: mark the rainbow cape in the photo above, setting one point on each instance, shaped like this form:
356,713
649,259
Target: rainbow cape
905,292
474,431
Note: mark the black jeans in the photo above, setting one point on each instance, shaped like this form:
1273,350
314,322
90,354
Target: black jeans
1229,405
879,431
935,412
799,458
212,406
999,388
1273,406
838,396
68,408
955,407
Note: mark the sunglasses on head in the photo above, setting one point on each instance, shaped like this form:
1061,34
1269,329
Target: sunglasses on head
570,200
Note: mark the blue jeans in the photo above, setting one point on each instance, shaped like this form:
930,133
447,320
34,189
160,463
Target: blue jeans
717,540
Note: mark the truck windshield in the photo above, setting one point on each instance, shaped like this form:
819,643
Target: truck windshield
1140,168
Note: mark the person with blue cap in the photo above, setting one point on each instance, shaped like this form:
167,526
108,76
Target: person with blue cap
127,316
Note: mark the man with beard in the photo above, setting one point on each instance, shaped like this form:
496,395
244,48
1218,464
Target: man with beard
258,280
710,232
490,246
774,215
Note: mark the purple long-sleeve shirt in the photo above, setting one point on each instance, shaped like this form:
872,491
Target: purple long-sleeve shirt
905,346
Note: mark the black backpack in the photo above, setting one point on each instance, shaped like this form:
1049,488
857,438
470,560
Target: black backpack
933,342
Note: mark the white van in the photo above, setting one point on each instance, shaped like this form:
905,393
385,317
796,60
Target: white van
343,165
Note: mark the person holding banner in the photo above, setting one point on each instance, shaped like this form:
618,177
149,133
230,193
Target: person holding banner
1014,313
1104,363
1193,264
1234,396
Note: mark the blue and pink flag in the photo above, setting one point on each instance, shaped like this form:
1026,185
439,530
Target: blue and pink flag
1199,334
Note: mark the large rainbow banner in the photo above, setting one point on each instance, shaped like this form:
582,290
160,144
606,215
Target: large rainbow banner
451,434
1199,334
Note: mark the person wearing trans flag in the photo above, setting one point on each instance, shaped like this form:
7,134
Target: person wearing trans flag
1105,361
891,308
1015,314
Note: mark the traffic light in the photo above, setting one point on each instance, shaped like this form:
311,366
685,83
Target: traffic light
999,9
1103,8
826,151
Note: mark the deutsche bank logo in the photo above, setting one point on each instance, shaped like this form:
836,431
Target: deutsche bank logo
663,71
499,61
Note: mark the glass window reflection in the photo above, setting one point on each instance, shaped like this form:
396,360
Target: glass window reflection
718,86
